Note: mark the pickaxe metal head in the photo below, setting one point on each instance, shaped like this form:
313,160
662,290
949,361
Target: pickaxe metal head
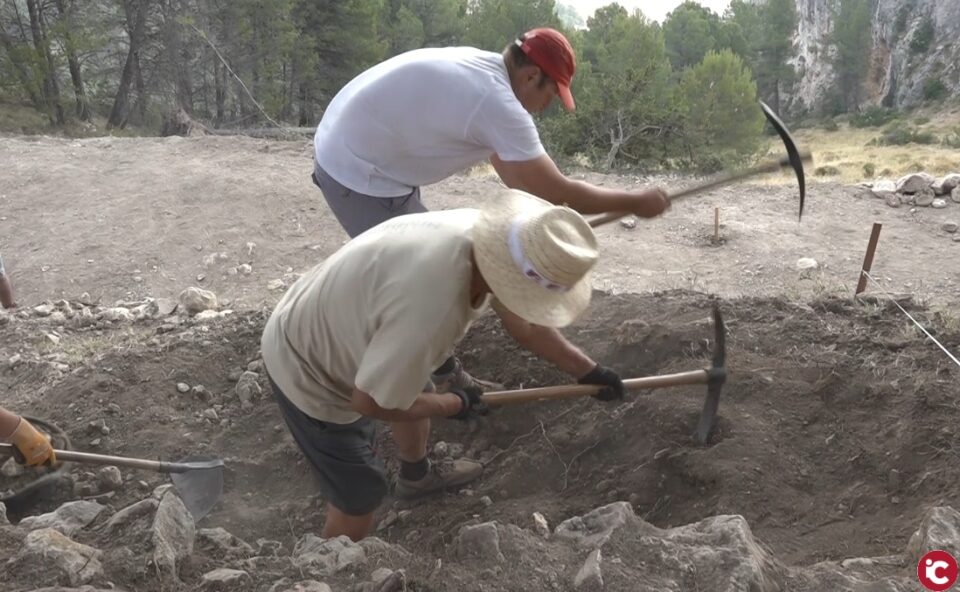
716,377
793,159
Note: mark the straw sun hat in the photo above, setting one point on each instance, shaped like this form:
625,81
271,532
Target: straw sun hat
536,257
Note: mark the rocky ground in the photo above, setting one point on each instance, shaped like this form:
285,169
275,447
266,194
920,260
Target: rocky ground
833,465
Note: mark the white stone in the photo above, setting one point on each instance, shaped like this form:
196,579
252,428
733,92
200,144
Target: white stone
883,186
116,313
77,563
224,579
380,575
222,540
276,285
807,263
173,534
245,269
589,578
110,478
183,387
194,300
939,204
67,519
944,185
915,182
540,525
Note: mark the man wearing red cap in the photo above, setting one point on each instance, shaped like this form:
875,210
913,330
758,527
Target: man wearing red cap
427,114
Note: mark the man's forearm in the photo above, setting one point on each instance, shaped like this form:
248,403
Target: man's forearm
552,346
8,423
426,405
590,199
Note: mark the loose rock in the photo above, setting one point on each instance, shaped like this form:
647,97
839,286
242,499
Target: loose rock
109,478
224,579
248,389
173,535
195,300
77,563
130,514
66,519
589,577
481,540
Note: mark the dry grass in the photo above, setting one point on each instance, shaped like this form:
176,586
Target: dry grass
849,152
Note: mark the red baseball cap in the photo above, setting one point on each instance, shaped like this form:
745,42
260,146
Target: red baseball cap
550,50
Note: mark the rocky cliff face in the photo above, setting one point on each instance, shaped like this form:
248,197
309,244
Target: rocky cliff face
900,67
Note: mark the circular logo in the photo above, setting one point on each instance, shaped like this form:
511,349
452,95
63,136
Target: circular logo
937,571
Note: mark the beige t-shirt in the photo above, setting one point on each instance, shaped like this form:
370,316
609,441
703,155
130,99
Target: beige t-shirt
381,313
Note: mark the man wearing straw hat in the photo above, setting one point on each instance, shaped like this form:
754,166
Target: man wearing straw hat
427,114
356,338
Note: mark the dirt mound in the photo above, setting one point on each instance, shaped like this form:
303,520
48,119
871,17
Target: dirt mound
836,432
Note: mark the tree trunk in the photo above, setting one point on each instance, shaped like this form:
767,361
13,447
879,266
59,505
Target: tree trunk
136,12
178,58
83,104
22,70
51,90
220,91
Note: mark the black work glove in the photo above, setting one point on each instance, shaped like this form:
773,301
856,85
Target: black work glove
613,388
473,404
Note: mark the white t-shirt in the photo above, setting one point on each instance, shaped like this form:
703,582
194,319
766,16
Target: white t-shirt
381,313
420,117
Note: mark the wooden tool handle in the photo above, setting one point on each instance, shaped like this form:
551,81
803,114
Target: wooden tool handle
725,179
585,390
103,459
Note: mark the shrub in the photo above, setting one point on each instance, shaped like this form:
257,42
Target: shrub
901,134
830,125
869,170
923,36
873,117
826,171
952,140
921,120
934,90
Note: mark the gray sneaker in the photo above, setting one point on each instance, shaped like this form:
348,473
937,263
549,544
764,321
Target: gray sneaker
442,475
461,379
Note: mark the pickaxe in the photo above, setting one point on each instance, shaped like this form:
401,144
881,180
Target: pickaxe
713,377
793,159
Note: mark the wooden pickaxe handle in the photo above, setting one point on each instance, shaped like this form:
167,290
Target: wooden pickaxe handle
585,390
725,179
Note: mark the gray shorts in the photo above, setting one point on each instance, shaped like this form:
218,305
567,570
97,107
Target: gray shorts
352,478
358,212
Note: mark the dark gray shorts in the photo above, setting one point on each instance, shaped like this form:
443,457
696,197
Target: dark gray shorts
352,478
358,212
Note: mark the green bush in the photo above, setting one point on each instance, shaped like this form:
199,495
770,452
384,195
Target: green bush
923,36
826,171
869,170
921,120
900,25
934,90
952,140
830,125
901,134
873,117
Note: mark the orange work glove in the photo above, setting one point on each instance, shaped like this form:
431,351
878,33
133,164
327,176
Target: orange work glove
34,446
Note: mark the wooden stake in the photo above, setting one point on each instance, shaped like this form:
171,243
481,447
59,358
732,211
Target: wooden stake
868,258
716,225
